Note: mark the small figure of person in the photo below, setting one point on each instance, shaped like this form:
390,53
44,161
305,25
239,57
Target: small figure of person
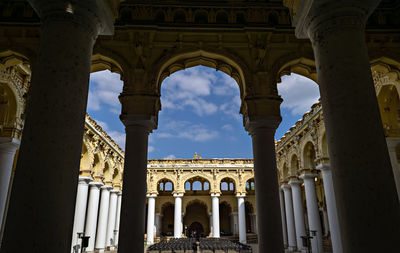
194,247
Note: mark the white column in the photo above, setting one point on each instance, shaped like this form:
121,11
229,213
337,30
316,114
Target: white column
117,219
289,217
178,216
102,221
392,144
80,209
331,206
283,216
254,222
215,215
8,147
298,212
92,211
242,218
312,211
150,218
325,220
112,211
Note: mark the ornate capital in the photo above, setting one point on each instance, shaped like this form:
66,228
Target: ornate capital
96,16
266,123
313,19
132,121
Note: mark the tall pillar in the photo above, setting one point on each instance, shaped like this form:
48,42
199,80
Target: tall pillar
45,183
289,217
103,217
298,212
150,218
314,220
92,211
117,219
242,218
215,215
283,217
331,206
178,216
366,198
262,130
392,144
80,210
112,214
132,226
8,147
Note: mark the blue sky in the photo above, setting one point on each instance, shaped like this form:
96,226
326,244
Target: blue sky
200,112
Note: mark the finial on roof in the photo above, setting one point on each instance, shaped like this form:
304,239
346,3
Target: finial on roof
195,156
199,156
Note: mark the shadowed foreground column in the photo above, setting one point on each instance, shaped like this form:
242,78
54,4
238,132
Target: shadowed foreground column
365,191
131,234
269,220
42,203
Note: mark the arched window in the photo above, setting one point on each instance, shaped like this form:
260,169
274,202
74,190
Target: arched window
252,186
206,186
196,186
160,17
247,186
161,186
179,17
168,186
201,18
231,186
222,17
187,186
224,186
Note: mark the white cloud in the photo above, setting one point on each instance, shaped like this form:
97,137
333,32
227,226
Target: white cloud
186,130
150,149
118,137
104,90
170,157
227,127
298,93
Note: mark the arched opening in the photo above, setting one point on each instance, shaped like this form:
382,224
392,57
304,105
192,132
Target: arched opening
309,156
225,219
197,186
285,172
227,186
241,18
196,220
250,186
160,16
165,187
294,165
273,19
167,223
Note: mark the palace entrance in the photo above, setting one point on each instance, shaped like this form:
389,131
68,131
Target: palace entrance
196,220
195,229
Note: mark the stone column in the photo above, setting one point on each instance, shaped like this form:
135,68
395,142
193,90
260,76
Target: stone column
215,215
254,222
262,130
112,214
366,196
331,206
325,220
45,183
283,216
8,147
80,210
178,216
392,143
235,223
117,219
242,218
289,217
314,220
103,217
150,218
132,227
298,212
92,211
